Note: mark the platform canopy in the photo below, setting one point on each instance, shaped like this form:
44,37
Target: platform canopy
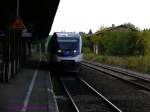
36,15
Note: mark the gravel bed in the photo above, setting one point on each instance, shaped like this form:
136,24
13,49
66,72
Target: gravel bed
84,97
63,101
127,97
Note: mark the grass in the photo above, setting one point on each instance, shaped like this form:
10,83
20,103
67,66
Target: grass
135,63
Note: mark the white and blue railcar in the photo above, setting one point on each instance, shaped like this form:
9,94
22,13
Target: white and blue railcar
65,51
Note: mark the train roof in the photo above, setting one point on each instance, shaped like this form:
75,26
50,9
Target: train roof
67,34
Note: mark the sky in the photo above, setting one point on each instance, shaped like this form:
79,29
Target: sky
83,15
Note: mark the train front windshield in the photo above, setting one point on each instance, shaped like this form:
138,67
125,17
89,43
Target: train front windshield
68,44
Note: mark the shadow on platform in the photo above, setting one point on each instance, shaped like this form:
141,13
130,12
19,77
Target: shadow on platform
34,64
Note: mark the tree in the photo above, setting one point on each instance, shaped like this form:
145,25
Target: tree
86,42
146,38
90,32
122,43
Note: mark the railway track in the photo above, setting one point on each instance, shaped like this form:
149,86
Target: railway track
131,78
77,88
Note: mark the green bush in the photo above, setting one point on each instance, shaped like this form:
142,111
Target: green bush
86,50
88,56
146,38
121,43
137,63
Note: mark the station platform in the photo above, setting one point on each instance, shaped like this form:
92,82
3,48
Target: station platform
30,90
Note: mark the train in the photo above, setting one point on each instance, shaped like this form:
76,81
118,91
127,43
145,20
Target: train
65,52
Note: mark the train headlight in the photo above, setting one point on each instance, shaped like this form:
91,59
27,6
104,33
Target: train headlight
59,51
74,51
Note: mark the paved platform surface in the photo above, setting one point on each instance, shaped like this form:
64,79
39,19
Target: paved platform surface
29,91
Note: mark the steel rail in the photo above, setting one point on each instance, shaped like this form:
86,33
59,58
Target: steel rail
119,71
70,97
113,107
106,101
111,74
